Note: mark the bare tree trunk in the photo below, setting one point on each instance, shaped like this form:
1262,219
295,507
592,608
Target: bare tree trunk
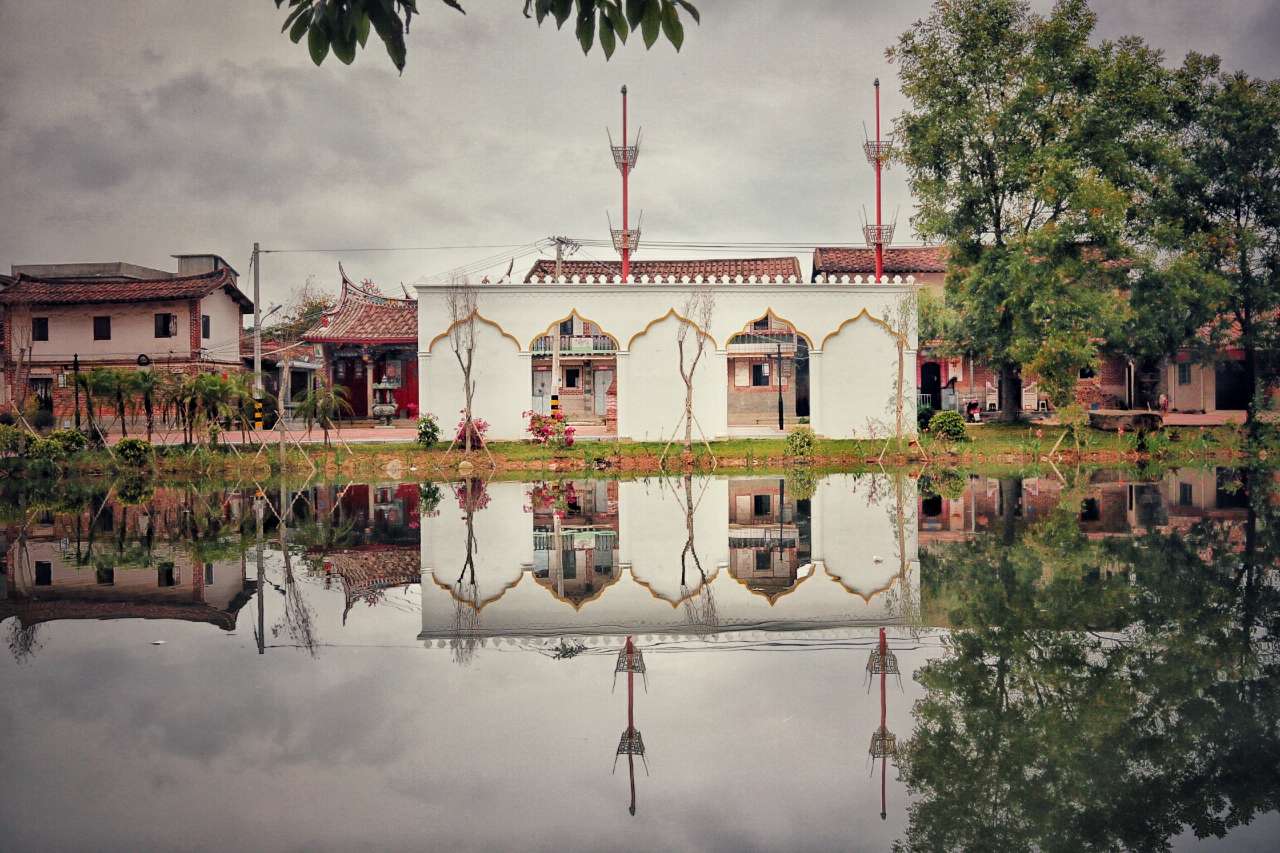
1010,393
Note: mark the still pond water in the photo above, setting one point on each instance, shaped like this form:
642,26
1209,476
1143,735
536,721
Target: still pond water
854,662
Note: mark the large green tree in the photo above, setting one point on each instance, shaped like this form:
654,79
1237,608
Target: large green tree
343,26
1219,212
1028,147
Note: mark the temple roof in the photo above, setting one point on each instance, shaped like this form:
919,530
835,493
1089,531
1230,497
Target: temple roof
898,260
365,316
33,290
704,267
366,572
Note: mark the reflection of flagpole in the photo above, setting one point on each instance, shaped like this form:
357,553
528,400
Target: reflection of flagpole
631,743
884,744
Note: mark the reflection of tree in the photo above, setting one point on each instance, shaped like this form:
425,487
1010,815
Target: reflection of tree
473,496
699,604
1100,695
23,640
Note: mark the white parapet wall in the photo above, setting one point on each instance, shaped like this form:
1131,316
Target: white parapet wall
851,327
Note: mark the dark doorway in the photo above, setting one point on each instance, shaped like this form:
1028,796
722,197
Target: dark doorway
1231,389
931,383
802,377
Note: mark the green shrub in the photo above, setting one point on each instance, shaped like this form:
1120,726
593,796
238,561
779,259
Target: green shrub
72,440
947,426
42,419
134,452
45,450
800,442
428,430
924,414
13,441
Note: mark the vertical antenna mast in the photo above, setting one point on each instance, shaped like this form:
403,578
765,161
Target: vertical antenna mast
877,154
625,239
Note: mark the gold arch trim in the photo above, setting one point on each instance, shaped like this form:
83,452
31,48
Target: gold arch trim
682,599
574,313
769,312
479,605
683,319
478,316
772,599
866,599
577,606
864,314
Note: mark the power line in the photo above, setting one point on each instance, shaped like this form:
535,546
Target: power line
353,251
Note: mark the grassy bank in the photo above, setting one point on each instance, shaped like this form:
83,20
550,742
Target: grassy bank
987,445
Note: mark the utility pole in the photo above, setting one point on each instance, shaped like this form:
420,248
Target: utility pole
626,239
257,324
878,152
75,380
258,512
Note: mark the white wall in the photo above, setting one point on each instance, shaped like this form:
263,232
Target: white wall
858,370
502,381
651,392
133,331
225,322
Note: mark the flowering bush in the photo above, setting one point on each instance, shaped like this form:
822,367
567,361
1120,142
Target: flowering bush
555,496
479,426
550,429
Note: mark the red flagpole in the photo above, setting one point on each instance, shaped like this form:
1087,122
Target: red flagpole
626,169
879,221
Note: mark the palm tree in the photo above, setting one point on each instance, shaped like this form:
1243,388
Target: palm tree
323,405
122,387
97,383
213,400
147,384
241,399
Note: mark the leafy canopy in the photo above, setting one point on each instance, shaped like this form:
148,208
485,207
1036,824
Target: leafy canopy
343,26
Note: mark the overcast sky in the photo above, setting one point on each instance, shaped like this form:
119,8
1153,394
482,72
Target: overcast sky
135,129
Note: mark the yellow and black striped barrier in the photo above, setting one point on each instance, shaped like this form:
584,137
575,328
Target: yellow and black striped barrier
257,414
555,403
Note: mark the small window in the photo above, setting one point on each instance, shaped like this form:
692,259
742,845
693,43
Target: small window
1087,373
208,574
572,376
1185,497
102,328
105,575
166,325
760,374
761,325
566,326
44,573
204,326
764,561
166,575
761,504
1184,373
39,328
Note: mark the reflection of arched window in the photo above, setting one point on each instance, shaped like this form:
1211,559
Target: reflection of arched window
931,507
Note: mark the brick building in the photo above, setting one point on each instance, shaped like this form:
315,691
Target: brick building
64,318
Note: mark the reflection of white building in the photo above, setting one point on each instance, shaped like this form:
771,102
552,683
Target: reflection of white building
863,569
851,363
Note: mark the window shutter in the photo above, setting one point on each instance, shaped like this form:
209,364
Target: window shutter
741,373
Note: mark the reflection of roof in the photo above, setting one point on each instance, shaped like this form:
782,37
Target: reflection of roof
364,572
363,315
898,260
82,291
709,267
34,611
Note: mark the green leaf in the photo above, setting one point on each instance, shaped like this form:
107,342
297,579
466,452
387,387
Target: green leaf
300,27
616,18
391,31
318,43
652,23
541,8
692,10
561,9
453,4
607,41
362,30
344,47
671,25
586,28
635,12
293,16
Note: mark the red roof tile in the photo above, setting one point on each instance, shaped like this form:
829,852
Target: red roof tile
85,291
898,260
365,316
744,267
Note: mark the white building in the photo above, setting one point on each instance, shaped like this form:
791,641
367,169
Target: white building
853,357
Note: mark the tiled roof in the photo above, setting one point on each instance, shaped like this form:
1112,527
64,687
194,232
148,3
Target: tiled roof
706,267
898,260
365,316
80,291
